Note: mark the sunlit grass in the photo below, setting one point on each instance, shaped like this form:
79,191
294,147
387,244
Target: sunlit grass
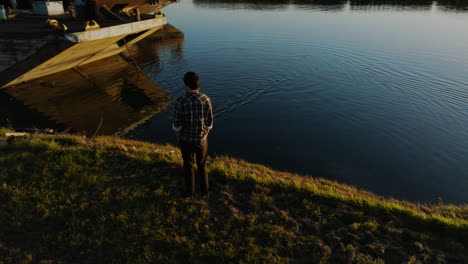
108,200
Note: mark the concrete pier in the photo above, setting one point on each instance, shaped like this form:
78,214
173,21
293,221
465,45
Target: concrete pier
57,53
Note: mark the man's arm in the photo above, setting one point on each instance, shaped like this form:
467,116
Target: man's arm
208,113
177,125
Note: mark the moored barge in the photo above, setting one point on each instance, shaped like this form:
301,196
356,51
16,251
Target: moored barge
34,45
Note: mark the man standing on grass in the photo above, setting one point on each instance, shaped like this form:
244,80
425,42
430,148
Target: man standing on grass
192,124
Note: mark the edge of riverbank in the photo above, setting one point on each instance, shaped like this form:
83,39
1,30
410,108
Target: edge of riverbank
68,199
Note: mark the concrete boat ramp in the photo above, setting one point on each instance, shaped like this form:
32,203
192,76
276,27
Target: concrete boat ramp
29,48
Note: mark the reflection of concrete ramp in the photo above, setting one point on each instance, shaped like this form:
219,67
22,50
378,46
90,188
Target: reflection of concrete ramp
111,90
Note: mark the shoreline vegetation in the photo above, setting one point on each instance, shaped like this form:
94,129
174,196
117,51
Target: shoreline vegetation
68,199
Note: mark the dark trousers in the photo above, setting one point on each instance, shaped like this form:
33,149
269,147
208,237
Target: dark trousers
190,152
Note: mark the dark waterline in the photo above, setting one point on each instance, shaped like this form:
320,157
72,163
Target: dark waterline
373,94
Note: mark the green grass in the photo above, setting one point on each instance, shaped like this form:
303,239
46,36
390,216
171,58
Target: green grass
2,133
66,199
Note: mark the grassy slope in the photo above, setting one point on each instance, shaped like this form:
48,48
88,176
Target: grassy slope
70,200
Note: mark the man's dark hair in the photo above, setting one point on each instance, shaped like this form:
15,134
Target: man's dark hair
191,80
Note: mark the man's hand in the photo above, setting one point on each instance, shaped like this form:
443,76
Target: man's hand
207,132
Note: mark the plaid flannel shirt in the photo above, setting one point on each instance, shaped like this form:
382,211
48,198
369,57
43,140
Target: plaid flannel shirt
193,116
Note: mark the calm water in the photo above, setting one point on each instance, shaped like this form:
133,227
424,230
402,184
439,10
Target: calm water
375,95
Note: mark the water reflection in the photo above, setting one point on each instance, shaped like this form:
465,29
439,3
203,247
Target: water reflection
453,5
335,5
393,6
111,96
321,5
391,2
150,49
243,4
